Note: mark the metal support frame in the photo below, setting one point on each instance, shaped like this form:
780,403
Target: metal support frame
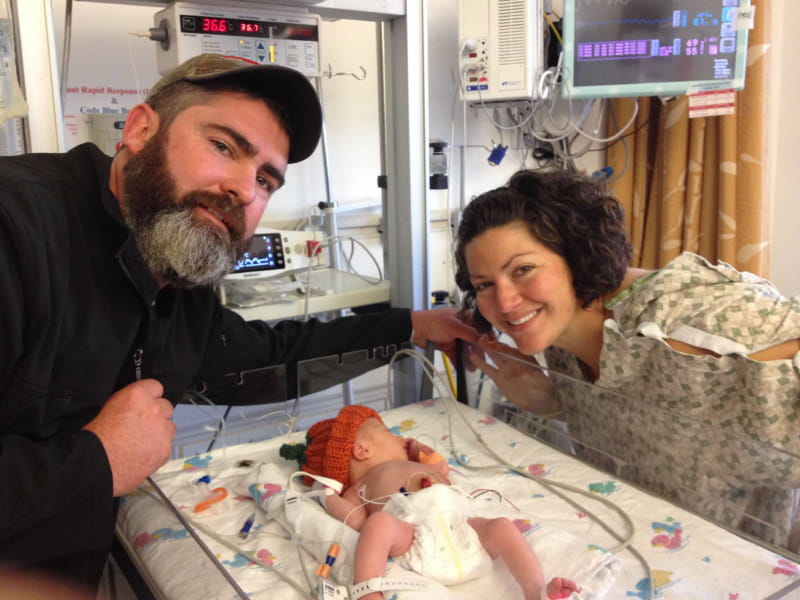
406,217
38,73
406,154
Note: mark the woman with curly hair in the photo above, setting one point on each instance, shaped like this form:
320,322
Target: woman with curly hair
688,376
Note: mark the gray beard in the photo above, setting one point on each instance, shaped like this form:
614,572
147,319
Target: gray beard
177,250
184,253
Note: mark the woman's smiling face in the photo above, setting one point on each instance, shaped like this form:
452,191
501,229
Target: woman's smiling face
522,287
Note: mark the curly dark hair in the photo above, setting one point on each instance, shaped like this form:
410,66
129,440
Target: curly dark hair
572,215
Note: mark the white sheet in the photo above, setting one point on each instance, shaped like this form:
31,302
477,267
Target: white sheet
690,557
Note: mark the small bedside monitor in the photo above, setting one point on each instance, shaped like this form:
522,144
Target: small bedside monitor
264,257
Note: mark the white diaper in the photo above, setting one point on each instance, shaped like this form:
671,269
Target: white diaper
445,547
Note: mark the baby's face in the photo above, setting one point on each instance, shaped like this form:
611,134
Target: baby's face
382,441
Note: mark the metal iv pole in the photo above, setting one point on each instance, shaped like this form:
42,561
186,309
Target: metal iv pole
330,225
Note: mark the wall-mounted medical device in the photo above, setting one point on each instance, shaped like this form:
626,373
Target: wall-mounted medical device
274,253
262,35
500,49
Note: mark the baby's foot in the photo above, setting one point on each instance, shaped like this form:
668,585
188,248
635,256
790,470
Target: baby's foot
560,587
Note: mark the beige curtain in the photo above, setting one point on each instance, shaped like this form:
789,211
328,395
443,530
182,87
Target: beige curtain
698,184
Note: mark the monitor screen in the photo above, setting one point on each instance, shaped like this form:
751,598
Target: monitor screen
264,257
652,47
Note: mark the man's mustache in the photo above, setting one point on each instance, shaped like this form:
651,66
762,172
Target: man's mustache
231,212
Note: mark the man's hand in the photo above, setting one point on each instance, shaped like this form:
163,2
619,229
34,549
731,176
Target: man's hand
136,430
441,326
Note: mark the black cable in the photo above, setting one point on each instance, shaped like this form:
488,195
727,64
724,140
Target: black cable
218,430
619,139
66,52
462,394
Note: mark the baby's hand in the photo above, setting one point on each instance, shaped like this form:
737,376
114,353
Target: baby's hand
415,448
412,448
421,453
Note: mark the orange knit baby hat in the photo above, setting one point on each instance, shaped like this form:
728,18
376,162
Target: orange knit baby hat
329,443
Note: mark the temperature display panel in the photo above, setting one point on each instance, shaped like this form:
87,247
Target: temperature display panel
248,28
262,37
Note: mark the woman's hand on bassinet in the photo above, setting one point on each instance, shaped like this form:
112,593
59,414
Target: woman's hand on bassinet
517,375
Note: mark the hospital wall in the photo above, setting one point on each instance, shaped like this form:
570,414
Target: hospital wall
102,30
784,134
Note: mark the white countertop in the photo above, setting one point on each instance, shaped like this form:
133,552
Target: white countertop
341,290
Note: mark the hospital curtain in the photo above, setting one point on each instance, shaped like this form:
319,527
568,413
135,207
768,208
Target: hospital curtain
699,184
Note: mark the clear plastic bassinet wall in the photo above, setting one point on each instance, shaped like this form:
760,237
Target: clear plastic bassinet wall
738,465
274,400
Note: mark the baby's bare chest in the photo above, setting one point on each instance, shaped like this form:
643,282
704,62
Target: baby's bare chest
400,476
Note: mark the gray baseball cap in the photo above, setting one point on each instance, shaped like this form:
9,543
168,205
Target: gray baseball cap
287,87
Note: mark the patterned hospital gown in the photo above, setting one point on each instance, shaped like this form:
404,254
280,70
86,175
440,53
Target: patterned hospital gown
691,427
